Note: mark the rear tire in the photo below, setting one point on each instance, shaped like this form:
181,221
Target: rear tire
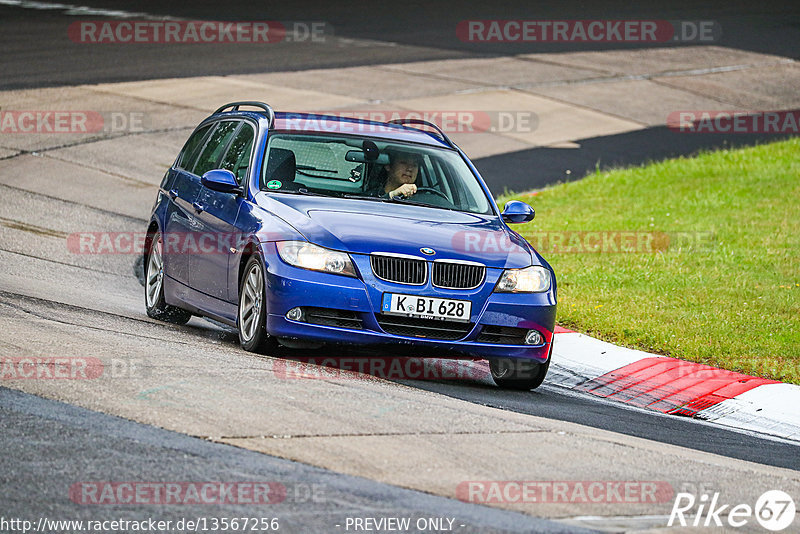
252,313
157,307
521,375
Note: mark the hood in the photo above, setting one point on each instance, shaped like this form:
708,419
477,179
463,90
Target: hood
364,227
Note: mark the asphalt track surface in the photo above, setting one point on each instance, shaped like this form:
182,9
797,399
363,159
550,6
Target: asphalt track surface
39,434
555,403
316,500
38,52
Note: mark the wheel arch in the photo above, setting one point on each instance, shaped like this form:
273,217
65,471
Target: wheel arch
250,249
152,229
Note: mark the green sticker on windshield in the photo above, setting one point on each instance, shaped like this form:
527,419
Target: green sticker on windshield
274,184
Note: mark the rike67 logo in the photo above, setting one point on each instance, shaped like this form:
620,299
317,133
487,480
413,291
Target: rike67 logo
774,510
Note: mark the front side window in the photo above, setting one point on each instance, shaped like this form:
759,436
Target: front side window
237,159
215,146
351,167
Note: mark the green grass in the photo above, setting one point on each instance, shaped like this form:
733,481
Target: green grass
725,293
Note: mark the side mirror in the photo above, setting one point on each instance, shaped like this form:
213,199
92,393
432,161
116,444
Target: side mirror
222,181
517,212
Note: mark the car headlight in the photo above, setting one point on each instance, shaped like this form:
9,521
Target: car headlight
533,279
310,256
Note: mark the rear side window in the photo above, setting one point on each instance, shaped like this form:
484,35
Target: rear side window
186,157
237,159
215,146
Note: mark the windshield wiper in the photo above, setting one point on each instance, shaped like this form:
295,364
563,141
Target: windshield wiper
302,191
404,200
400,200
366,197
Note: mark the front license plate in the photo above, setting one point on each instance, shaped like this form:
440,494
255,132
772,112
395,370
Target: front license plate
426,307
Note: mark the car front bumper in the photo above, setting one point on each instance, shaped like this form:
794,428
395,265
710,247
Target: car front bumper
289,287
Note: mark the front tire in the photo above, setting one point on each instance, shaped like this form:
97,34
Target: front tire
521,375
252,314
157,307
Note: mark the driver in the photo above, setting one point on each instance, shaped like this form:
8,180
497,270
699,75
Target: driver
398,177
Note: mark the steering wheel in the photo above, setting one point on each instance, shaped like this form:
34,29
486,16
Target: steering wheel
432,190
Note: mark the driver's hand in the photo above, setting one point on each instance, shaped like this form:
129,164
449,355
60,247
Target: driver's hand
405,190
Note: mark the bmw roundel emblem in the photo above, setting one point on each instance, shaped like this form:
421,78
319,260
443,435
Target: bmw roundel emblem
427,251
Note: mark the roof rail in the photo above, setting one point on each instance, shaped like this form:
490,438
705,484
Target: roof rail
443,135
266,107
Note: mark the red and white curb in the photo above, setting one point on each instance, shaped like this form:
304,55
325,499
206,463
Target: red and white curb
673,386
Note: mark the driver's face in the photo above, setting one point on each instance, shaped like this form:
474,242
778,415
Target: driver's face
403,170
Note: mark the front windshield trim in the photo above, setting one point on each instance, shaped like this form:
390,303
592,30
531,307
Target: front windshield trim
434,142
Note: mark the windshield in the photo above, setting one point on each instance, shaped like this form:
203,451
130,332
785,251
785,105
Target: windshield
371,169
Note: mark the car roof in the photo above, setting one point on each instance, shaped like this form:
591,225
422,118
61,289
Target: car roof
334,124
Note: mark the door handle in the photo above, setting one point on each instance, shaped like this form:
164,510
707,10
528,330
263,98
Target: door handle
173,194
198,208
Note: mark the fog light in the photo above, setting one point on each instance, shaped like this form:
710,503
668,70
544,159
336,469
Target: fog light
295,314
533,337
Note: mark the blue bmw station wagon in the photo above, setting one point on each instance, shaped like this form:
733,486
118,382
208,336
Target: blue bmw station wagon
305,229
